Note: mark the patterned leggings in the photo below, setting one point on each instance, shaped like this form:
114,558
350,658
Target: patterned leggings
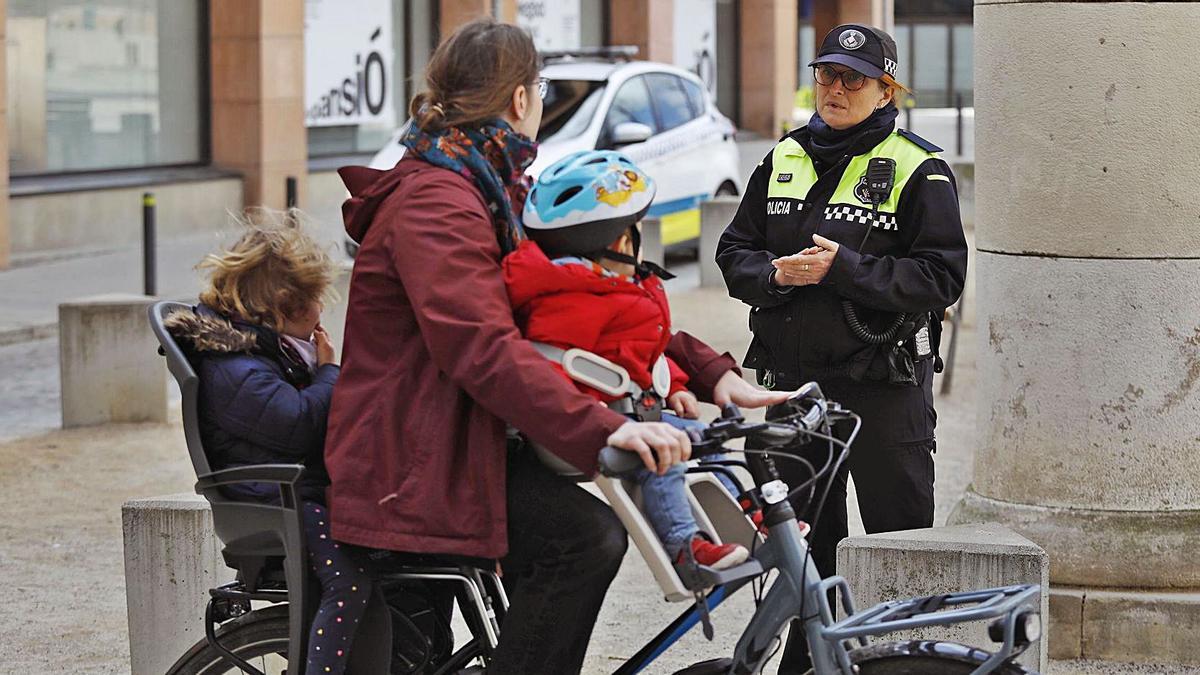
345,591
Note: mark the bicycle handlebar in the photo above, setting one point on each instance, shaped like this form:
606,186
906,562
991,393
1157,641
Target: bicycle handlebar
802,414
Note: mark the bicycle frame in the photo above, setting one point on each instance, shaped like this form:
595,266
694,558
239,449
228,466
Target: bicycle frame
799,585
799,592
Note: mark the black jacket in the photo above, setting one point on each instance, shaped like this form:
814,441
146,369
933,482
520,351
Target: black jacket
258,403
918,267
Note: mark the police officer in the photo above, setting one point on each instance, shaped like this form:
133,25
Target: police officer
848,247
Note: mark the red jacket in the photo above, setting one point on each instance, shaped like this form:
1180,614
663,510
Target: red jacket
573,305
433,367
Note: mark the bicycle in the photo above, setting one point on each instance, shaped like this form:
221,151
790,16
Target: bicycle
263,543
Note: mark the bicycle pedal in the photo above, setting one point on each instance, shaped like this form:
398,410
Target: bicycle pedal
719,666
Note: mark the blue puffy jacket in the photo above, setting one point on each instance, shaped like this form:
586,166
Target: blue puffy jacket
259,403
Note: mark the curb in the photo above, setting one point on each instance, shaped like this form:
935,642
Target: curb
27,334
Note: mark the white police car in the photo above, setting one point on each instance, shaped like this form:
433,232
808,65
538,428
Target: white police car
659,115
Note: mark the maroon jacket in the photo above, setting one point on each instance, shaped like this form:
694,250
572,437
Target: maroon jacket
433,367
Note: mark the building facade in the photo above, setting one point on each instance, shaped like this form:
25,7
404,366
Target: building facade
216,105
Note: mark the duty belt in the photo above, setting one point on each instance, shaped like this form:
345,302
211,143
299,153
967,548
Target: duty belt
917,344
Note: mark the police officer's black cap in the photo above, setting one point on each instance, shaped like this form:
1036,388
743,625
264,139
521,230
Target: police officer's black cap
868,50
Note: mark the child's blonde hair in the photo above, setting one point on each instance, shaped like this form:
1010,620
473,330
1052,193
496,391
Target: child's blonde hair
273,271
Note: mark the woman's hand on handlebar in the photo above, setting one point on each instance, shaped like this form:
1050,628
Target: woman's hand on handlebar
731,388
660,445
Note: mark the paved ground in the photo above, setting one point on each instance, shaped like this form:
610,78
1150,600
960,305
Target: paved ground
60,539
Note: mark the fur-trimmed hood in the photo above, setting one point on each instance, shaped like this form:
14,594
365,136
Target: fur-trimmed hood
207,331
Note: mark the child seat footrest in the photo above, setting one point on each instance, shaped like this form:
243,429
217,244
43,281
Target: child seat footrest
719,666
700,577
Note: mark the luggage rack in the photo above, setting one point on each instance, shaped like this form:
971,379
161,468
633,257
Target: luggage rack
1013,609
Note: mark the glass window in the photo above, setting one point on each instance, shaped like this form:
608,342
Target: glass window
903,35
906,9
568,108
931,67
104,84
670,100
592,23
696,97
631,104
964,62
808,51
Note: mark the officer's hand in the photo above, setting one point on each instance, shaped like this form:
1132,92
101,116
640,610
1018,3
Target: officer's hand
808,266
731,388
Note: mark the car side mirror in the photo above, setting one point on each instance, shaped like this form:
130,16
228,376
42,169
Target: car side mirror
628,133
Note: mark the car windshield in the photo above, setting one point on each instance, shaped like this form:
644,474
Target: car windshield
569,108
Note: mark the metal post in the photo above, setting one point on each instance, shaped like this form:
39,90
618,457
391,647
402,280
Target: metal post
908,108
149,250
958,128
292,189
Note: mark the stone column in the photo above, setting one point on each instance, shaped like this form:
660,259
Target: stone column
1088,229
768,65
648,25
257,52
5,238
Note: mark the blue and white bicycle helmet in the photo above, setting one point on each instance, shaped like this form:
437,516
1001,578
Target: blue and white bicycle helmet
584,202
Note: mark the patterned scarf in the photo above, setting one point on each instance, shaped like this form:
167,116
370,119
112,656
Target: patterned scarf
494,157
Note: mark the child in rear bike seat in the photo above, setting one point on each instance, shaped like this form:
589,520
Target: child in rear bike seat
267,370
577,283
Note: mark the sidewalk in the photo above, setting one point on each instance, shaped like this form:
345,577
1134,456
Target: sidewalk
30,295
60,544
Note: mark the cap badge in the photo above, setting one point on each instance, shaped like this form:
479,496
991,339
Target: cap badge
852,39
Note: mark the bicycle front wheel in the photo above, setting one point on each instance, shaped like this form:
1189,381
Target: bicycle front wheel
926,657
260,638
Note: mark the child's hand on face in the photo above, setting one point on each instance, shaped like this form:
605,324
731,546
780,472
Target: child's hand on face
685,404
325,350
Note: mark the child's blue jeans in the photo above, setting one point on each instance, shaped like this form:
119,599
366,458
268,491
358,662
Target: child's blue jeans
664,498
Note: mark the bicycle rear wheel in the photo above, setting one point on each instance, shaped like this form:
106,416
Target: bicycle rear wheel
260,637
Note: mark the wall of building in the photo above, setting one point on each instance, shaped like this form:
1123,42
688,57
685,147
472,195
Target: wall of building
218,116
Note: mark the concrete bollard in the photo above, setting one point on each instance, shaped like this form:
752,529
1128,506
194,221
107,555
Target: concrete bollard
715,216
652,246
913,563
108,362
172,558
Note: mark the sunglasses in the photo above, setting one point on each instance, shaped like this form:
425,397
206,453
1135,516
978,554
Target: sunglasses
543,87
826,75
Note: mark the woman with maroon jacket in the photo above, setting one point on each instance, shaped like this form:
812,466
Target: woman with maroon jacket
434,368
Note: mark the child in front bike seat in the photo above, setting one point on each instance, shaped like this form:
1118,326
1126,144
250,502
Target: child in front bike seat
267,371
577,282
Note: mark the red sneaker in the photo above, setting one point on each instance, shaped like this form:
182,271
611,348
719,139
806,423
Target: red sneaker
716,556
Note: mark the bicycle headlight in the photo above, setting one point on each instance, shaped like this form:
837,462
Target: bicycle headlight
1029,627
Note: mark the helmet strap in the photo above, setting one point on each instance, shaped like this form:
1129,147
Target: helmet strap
644,268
